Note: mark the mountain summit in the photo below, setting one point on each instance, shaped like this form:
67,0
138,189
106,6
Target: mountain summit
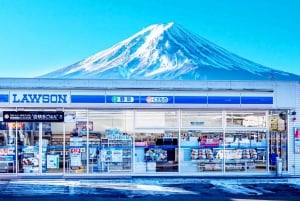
168,52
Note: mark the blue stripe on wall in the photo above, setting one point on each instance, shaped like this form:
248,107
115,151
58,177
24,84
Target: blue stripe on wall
87,99
4,98
191,99
168,99
256,100
223,100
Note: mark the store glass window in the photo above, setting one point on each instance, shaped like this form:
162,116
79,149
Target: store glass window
194,119
278,143
156,150
245,151
54,143
199,151
246,119
33,145
110,141
8,160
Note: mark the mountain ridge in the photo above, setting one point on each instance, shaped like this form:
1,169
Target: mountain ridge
168,52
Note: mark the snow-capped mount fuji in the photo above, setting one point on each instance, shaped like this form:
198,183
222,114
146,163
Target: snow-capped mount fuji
168,52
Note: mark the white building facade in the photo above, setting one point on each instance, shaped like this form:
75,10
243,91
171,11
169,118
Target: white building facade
148,127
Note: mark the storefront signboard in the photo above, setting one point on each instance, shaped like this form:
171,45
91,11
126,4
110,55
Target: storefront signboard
39,97
60,98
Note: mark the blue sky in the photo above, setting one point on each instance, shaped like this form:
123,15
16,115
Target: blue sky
40,36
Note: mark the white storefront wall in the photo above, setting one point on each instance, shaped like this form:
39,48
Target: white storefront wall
56,94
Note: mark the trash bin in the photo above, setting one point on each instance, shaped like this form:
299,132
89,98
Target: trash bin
278,166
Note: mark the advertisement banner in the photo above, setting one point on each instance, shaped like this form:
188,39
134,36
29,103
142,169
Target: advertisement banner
33,116
297,140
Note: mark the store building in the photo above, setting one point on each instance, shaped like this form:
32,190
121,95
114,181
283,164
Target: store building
148,127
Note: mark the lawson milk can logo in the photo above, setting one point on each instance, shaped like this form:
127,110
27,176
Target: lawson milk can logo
39,98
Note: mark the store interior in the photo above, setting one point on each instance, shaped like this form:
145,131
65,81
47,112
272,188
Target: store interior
120,143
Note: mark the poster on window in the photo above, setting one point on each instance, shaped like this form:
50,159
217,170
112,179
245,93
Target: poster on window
297,140
75,157
15,125
204,142
117,155
76,141
83,126
30,159
53,161
106,155
7,151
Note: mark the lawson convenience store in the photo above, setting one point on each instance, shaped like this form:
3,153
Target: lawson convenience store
142,127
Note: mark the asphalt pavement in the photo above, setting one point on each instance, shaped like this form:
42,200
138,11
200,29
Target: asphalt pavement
151,189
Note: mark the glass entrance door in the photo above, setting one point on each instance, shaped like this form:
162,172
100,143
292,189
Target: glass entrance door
28,147
7,149
40,147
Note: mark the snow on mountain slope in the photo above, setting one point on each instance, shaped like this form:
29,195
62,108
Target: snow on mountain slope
168,52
